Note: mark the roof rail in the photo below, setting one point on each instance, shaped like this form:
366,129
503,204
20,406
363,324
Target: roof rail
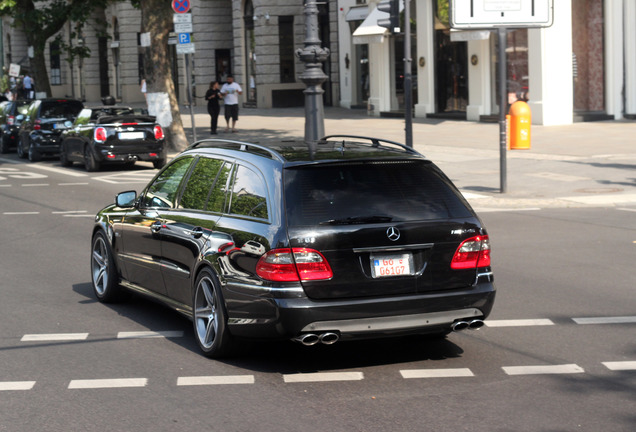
242,146
375,142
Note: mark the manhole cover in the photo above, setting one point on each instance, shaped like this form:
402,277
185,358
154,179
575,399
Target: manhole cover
599,190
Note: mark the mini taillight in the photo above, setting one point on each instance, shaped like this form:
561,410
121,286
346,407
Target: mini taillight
100,134
37,125
472,253
291,265
158,132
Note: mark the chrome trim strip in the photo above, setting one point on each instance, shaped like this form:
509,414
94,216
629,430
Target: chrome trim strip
264,289
394,248
400,322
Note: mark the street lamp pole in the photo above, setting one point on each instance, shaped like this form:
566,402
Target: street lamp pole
313,55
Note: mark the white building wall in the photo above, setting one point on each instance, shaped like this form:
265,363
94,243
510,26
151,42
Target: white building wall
630,56
614,66
479,79
425,51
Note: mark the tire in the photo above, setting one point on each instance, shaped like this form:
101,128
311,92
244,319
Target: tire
34,155
159,163
210,318
103,272
89,161
64,161
4,144
21,153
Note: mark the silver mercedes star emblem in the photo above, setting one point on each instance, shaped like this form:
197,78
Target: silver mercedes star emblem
393,233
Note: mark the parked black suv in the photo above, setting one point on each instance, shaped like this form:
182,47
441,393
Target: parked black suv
44,122
11,115
354,237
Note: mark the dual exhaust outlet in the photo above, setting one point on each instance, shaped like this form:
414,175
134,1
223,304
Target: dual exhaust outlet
463,325
309,339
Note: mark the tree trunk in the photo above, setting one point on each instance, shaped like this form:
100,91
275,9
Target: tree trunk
156,19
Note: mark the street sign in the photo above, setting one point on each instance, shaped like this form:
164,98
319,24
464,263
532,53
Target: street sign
185,48
183,27
181,6
481,14
183,38
182,18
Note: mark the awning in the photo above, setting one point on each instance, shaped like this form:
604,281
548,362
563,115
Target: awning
357,13
369,31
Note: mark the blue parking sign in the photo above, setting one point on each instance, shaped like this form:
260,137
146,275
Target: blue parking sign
184,38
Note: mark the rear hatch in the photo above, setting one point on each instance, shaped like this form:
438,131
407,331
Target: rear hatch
58,115
385,228
130,133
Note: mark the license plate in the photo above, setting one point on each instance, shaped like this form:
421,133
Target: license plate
131,135
387,265
59,126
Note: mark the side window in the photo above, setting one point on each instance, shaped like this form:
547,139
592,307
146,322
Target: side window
249,194
163,191
195,195
216,201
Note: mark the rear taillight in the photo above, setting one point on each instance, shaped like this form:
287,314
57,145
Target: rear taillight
158,132
100,135
37,125
10,120
472,253
291,265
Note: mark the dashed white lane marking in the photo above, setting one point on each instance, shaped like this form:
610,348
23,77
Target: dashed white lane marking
73,184
436,373
543,369
558,176
518,323
108,383
323,377
627,209
149,334
58,170
497,209
35,184
20,213
54,337
215,380
64,212
16,385
606,320
602,199
620,365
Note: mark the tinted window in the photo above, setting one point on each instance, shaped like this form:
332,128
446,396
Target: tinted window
197,191
386,191
65,109
163,191
249,194
216,201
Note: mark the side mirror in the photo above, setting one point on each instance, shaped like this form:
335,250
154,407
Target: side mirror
68,124
126,199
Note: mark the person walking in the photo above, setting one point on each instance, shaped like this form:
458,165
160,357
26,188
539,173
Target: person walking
27,87
212,96
230,93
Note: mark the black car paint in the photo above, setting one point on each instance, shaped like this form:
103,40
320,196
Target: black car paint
11,115
160,252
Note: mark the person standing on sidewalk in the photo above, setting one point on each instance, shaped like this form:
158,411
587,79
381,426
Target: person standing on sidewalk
212,96
230,92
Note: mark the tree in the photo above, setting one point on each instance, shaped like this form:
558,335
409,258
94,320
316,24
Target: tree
42,23
156,19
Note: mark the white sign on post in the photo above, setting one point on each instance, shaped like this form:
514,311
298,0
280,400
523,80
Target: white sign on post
482,14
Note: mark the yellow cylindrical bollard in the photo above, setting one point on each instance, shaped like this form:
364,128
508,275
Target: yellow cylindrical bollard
520,121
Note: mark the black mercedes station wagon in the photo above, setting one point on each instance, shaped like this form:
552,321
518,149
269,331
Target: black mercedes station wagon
352,237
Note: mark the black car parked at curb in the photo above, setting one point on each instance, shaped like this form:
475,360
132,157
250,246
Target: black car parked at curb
113,135
349,238
11,115
45,120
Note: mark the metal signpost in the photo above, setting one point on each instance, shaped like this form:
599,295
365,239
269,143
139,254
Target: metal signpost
501,15
182,21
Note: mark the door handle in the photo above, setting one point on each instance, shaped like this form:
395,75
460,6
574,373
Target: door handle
156,227
196,232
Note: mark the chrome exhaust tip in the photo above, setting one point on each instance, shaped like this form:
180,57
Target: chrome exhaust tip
329,338
460,325
308,339
476,324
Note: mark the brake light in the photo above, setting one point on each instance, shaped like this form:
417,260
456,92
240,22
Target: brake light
10,120
472,253
158,132
292,265
37,125
100,135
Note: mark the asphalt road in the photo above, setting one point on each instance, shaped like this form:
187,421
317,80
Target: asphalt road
557,354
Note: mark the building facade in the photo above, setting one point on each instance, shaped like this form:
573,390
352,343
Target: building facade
583,67
254,40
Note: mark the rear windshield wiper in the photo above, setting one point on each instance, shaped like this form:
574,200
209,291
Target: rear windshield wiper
357,220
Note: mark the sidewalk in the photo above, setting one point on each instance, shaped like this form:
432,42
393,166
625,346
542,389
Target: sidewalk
579,165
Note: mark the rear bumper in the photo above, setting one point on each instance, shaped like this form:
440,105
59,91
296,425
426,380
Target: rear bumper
123,155
286,318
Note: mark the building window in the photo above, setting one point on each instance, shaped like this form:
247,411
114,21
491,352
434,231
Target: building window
56,72
286,48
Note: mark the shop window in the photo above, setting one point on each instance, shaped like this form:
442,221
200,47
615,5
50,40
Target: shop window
286,48
55,77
